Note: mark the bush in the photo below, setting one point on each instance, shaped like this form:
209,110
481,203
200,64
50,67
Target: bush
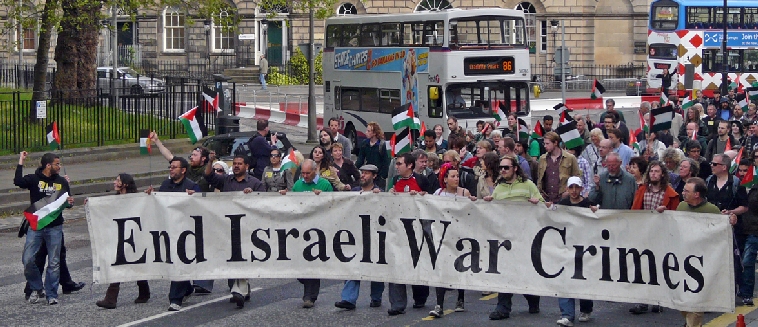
299,71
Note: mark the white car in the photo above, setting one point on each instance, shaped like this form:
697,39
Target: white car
128,78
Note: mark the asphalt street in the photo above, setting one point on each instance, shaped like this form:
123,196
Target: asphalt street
275,302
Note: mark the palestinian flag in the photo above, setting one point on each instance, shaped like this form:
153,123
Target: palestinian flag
597,90
194,124
752,93
633,141
728,145
144,141
643,123
687,101
209,100
562,112
736,85
743,102
736,162
538,131
422,130
749,180
660,118
401,142
499,114
570,135
290,161
53,136
523,130
664,99
46,210
403,116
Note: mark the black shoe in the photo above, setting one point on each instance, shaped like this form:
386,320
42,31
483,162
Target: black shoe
344,305
201,290
74,287
534,310
395,312
747,301
375,304
419,305
656,309
638,309
497,315
239,299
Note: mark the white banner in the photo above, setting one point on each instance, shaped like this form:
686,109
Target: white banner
675,259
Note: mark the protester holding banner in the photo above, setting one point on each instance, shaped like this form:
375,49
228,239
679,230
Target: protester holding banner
47,230
486,184
124,184
310,182
346,170
178,182
585,169
274,177
567,305
352,287
325,169
513,185
695,201
615,188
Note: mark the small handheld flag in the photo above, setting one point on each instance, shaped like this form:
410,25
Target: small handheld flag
290,161
660,118
597,90
144,141
45,211
209,100
194,124
570,135
538,132
53,136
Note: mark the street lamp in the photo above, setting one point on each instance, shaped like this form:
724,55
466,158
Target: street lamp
207,27
554,27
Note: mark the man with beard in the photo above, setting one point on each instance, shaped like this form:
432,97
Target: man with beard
177,182
352,287
240,180
718,144
198,160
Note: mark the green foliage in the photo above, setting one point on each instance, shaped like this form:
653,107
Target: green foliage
299,71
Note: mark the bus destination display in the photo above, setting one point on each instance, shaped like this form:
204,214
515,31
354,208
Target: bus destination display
489,65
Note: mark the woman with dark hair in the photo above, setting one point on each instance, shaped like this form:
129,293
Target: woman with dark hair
738,131
637,167
325,169
124,184
373,150
490,168
326,139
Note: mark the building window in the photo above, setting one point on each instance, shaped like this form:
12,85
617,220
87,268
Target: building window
173,30
543,36
433,5
223,33
347,9
29,39
530,14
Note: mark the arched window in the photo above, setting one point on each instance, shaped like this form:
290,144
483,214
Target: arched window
347,9
530,14
173,30
223,33
433,5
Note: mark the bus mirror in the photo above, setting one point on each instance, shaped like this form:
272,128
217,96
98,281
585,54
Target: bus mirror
434,93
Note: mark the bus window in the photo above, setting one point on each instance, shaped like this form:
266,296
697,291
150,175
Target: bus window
350,35
350,99
370,35
750,19
665,15
413,34
434,96
337,97
488,31
699,17
750,58
391,34
662,51
434,33
333,36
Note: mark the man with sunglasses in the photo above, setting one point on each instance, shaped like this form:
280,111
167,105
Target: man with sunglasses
240,180
198,158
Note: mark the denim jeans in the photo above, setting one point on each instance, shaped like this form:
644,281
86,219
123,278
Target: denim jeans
311,288
263,81
352,288
52,238
178,290
206,284
568,307
748,263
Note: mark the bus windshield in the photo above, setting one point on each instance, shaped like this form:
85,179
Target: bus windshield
487,32
664,16
477,100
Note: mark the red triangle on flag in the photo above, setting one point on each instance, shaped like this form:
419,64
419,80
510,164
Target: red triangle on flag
728,144
749,177
423,128
538,129
392,145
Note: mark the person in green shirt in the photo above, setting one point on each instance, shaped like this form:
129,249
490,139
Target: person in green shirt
694,201
310,182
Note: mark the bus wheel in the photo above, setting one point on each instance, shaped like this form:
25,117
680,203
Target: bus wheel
350,134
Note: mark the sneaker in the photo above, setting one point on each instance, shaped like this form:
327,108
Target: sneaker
565,322
375,304
345,305
459,306
34,297
52,301
748,301
497,315
638,309
308,304
656,309
174,307
584,317
437,312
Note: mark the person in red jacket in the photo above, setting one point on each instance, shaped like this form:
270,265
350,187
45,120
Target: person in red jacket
656,194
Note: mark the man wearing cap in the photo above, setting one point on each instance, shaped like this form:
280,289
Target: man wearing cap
352,287
575,199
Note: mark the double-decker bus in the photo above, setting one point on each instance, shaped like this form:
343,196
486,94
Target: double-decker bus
450,63
684,32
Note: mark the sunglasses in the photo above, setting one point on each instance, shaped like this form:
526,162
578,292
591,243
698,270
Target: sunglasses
274,155
714,164
219,170
505,167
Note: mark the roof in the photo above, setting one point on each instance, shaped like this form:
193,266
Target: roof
425,16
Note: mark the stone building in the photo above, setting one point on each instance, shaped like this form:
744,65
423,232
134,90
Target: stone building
607,32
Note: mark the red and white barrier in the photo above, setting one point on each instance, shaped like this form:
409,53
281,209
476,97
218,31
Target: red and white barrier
588,103
275,116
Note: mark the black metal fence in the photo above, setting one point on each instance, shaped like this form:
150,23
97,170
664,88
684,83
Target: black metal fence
98,117
580,77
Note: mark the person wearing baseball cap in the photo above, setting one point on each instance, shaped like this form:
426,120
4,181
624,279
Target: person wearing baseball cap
567,306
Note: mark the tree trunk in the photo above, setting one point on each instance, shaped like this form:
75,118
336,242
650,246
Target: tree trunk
43,57
76,51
